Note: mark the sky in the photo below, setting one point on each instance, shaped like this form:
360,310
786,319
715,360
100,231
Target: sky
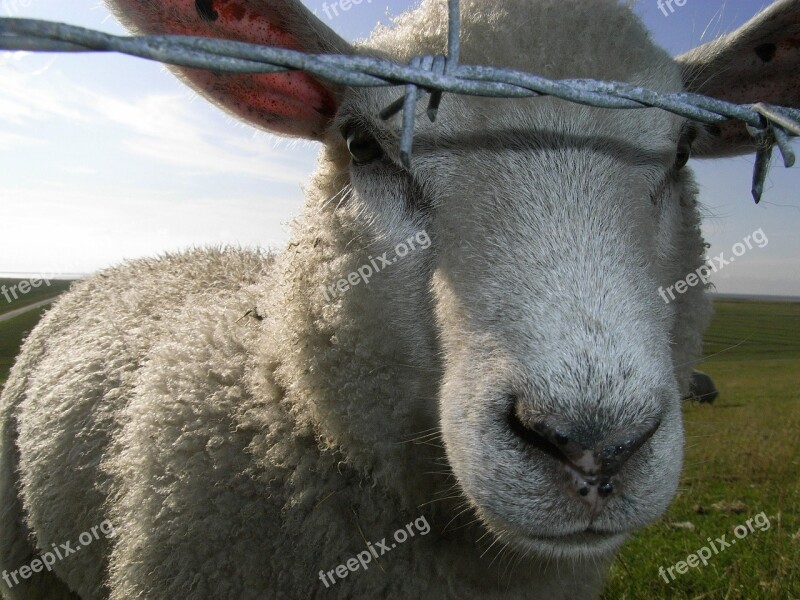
105,158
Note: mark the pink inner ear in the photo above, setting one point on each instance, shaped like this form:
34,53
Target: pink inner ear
286,103
291,103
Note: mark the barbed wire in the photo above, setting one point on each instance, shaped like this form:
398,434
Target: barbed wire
769,125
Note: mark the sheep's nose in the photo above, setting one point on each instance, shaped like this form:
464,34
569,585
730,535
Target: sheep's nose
591,458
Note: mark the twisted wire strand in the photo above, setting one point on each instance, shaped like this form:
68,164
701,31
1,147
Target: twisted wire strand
769,125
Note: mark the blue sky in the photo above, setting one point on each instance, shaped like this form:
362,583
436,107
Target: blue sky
104,158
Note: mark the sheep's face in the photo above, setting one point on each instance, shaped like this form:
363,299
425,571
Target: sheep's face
552,227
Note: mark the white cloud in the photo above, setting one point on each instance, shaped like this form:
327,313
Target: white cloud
12,141
84,230
165,128
78,170
39,94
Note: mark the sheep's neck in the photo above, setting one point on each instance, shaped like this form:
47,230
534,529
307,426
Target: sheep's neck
360,364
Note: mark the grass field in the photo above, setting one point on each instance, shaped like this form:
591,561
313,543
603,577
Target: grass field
11,334
742,455
14,330
12,298
742,459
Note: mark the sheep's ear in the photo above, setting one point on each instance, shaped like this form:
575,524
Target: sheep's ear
759,62
290,103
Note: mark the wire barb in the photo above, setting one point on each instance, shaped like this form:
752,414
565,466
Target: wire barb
769,125
438,65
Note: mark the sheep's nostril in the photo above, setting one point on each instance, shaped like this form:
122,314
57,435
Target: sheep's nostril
615,453
536,439
605,489
591,458
549,436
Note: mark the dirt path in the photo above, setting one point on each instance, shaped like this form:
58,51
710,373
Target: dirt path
24,309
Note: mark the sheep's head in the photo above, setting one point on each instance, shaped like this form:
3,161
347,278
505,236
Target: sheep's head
553,225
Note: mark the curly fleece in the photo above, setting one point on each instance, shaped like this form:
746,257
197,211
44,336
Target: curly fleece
240,432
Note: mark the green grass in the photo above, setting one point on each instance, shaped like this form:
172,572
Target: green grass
743,449
12,333
14,330
753,331
12,298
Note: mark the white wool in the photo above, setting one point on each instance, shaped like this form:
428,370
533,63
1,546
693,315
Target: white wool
242,432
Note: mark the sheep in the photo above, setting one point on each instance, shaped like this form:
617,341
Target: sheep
516,384
702,388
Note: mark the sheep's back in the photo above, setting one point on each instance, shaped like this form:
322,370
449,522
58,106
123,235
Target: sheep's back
66,399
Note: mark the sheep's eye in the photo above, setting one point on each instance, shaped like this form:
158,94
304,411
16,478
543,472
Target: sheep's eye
363,147
685,148
683,156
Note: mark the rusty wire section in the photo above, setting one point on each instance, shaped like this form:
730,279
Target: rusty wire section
769,125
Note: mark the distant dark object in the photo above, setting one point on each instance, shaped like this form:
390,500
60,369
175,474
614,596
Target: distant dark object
702,388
